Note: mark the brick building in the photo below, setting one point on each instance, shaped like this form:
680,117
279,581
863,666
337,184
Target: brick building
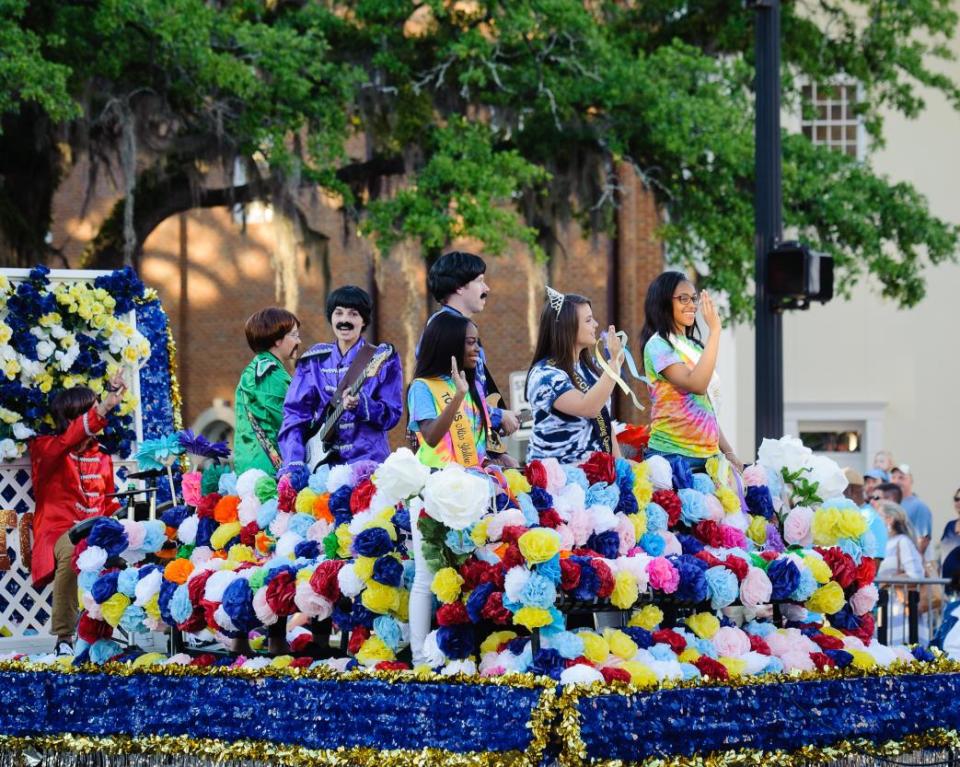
214,267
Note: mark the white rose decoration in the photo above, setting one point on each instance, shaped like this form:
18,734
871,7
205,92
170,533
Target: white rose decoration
21,431
8,450
455,497
828,475
401,476
785,453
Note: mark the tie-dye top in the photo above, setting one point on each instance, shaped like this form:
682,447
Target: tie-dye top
423,406
680,421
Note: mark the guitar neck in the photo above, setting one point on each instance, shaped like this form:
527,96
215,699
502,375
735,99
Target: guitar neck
340,409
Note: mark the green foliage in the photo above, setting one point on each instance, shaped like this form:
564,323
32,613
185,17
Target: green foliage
505,115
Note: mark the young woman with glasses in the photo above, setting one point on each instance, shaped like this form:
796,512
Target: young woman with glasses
681,371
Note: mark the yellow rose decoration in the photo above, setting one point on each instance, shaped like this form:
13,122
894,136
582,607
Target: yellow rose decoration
620,644
532,617
113,608
595,648
625,590
373,651
446,585
648,618
640,674
539,545
827,599
704,625
517,482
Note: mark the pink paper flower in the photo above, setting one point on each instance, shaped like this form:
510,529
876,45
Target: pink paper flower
190,487
627,533
714,508
864,599
797,660
731,642
663,575
556,476
755,589
754,476
566,537
671,543
733,538
581,525
796,527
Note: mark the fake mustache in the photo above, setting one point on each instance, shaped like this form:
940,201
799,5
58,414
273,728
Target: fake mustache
344,326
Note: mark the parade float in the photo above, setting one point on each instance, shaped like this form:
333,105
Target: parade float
615,612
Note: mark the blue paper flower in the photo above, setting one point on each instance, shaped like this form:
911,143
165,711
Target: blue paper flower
548,662
109,535
174,516
642,637
689,544
841,657
703,484
784,577
127,581
373,542
237,603
180,607
759,501
653,544
576,476
307,550
133,620
459,542
206,527
602,494
387,628
299,476
606,544
550,569
568,644
456,642
693,509
159,453
388,571
227,484
167,589
693,583
103,650
531,517
105,587
477,599
340,505
722,586
657,518
155,534
318,480
266,513
301,523
682,477
539,592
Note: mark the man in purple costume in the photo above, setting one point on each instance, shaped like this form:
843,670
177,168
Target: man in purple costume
369,415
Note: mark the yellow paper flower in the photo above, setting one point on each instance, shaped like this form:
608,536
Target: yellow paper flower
222,535
851,524
281,661
305,501
831,631
704,625
517,482
625,590
757,529
344,540
642,487
113,608
825,526
149,659
402,610
639,521
689,655
640,674
363,567
827,599
862,659
728,499
532,617
647,618
595,647
819,569
539,545
373,651
735,666
620,644
240,552
479,532
152,607
494,640
446,585
379,598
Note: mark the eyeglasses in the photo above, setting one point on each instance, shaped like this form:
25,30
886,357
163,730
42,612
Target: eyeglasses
956,499
294,334
880,498
685,299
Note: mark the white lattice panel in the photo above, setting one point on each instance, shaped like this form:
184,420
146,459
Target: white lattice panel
23,610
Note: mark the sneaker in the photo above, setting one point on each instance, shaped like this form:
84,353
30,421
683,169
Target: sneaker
64,649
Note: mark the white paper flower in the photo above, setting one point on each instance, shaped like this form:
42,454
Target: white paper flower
8,450
515,582
310,602
92,560
603,518
21,431
455,497
247,481
146,587
350,583
339,476
580,674
828,475
432,654
401,476
785,453
660,473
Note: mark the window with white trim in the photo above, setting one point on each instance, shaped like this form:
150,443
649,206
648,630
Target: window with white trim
834,122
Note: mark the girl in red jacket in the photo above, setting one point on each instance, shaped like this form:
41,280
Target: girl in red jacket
71,476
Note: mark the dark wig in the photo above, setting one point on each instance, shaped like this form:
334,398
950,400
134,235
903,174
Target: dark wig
350,297
444,337
452,271
557,337
658,310
68,404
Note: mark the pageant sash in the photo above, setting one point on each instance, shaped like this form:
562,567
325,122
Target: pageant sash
631,366
602,425
460,438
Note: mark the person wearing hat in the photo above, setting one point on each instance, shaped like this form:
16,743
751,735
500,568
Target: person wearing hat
323,378
876,542
917,511
872,478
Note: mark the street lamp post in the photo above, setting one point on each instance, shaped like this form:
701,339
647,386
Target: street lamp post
768,220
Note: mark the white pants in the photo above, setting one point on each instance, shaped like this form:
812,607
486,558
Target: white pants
421,598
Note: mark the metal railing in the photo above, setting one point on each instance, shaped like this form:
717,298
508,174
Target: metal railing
909,610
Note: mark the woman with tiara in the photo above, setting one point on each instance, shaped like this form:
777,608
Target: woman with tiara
567,391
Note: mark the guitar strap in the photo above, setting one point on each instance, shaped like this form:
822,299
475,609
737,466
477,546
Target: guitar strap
364,355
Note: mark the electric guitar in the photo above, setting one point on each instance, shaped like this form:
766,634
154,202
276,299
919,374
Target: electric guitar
321,447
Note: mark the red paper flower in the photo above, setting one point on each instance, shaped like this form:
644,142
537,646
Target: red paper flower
300,642
822,661
358,636
670,503
248,534
391,665
569,575
90,629
605,576
280,593
711,668
866,572
302,662
361,495
769,556
705,556
759,644
286,494
738,566
612,674
827,642
550,518
536,475
494,610
324,579
512,557
578,661
452,614
842,566
600,467
207,504
867,627
203,660
709,532
511,533
667,636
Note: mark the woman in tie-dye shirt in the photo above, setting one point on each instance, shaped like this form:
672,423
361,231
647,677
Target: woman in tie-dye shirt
681,372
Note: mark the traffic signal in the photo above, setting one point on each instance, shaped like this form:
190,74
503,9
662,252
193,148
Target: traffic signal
797,275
